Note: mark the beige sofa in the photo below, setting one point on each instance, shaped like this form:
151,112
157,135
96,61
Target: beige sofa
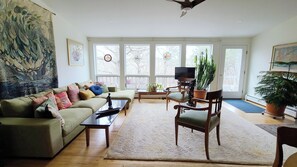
23,135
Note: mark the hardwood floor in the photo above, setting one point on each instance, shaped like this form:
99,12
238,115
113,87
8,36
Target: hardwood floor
76,154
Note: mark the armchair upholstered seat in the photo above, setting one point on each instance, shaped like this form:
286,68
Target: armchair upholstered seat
198,119
181,93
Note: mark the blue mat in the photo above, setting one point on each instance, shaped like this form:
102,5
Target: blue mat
245,106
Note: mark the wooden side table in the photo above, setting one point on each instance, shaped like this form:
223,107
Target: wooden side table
145,92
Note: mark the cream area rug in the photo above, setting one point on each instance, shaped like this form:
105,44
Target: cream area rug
148,134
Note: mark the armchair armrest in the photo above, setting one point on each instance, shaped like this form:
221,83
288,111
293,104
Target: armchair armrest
180,107
171,87
30,137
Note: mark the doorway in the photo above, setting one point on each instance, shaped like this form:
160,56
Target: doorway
232,71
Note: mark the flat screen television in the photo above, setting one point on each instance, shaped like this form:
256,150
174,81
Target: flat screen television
184,72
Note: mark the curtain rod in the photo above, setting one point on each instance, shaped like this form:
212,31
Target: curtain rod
44,8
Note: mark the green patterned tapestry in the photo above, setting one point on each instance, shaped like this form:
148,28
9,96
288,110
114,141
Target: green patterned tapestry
27,50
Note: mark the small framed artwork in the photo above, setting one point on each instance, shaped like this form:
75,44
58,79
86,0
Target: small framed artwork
75,53
284,57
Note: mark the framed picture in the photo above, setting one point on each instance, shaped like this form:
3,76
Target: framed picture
284,57
75,53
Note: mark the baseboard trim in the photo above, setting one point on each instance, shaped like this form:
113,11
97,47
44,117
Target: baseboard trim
290,111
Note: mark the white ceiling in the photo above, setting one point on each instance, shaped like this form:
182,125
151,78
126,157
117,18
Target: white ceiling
161,18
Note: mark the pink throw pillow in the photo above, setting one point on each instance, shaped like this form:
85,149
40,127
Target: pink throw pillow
62,100
73,93
39,100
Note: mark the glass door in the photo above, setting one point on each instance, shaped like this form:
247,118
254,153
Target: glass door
232,71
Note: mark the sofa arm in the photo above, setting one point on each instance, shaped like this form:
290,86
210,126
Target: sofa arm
30,137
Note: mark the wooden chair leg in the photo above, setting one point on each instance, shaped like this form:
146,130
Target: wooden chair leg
176,133
218,134
206,144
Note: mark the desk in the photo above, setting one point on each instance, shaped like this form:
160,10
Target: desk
144,92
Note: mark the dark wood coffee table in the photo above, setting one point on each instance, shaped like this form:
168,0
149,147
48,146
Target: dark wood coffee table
105,121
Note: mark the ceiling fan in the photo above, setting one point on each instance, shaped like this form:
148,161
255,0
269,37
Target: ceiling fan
187,5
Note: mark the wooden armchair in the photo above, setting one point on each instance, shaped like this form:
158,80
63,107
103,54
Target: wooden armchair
285,135
202,119
181,93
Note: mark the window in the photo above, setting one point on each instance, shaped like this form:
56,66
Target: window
108,72
167,58
137,66
196,50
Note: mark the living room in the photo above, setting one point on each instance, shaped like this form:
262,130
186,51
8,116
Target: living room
272,23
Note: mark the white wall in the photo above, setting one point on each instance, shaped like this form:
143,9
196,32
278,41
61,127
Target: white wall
63,30
261,50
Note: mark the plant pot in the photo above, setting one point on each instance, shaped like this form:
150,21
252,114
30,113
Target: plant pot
274,110
201,94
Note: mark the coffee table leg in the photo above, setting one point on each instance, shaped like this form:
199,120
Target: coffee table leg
107,136
125,109
87,136
139,96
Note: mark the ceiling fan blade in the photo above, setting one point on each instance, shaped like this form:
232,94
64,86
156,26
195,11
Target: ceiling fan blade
182,3
196,2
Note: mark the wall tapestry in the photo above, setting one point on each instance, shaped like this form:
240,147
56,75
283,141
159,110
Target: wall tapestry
27,50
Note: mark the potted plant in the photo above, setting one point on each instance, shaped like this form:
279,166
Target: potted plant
279,90
153,87
205,73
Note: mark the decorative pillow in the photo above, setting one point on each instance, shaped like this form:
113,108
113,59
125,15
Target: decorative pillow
103,86
72,91
96,89
82,84
86,94
55,113
62,100
38,101
41,112
53,98
48,110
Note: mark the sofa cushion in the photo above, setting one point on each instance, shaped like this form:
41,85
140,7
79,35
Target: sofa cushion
73,117
73,93
93,103
17,107
86,94
62,100
96,89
